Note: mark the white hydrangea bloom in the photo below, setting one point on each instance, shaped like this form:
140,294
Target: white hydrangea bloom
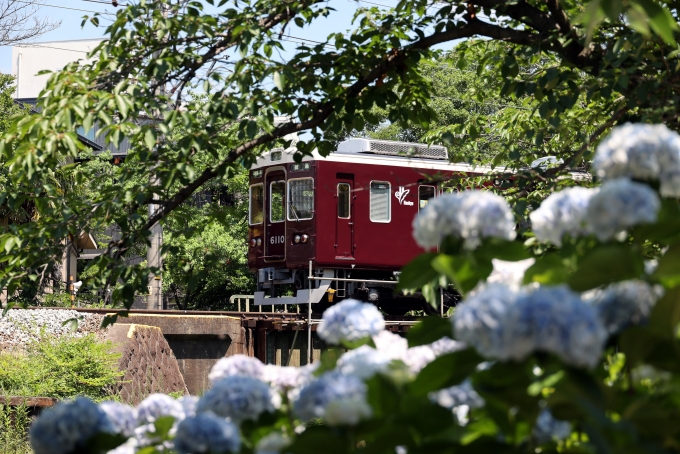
122,418
272,443
508,273
237,365
329,387
563,212
189,404
392,345
347,412
548,428
156,406
455,396
239,398
624,303
363,362
481,320
446,345
67,427
620,204
206,433
289,380
350,320
416,358
641,152
471,215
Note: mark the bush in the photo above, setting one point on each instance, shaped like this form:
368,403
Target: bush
13,424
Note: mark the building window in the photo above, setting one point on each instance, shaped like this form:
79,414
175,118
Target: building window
277,200
300,199
343,200
380,201
256,203
425,193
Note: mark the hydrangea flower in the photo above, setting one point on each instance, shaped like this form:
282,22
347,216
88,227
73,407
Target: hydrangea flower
456,396
206,433
239,399
641,152
68,427
289,379
350,320
240,365
416,358
272,443
390,344
620,204
122,418
328,388
548,428
156,406
189,404
471,215
363,362
563,212
509,273
624,303
347,412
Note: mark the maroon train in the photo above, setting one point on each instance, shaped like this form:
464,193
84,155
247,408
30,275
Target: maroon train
349,213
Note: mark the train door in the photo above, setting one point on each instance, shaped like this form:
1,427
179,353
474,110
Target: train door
275,230
344,220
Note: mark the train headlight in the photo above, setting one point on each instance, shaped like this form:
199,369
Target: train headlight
304,237
296,239
253,242
259,241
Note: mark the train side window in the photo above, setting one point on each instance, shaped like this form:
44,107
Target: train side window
425,193
380,201
343,200
256,203
300,199
277,201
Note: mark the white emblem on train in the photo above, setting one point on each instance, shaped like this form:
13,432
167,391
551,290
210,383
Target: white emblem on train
401,195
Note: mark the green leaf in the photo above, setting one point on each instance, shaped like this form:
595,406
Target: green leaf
660,19
510,251
548,270
428,330
465,270
150,139
445,371
309,442
606,264
668,270
418,272
280,81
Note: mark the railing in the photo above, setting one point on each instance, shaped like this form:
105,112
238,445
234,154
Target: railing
240,298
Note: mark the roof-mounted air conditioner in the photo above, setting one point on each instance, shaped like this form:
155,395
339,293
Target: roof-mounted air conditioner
393,148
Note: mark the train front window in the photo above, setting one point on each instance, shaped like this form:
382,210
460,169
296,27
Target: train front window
380,201
277,201
425,193
300,199
343,200
256,203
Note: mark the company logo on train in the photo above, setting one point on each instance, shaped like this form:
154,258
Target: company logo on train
350,214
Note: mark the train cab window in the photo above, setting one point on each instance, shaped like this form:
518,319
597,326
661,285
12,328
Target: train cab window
380,201
343,200
425,193
277,201
300,199
256,203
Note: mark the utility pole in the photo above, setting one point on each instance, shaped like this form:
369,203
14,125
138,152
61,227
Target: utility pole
154,257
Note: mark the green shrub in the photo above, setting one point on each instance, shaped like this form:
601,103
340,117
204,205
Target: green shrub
14,423
61,368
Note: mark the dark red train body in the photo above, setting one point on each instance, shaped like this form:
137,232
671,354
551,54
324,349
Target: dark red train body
349,213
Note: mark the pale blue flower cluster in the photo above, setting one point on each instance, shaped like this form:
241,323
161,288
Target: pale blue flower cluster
641,152
363,362
472,215
272,443
456,396
68,427
189,404
122,418
156,406
350,320
563,212
236,365
624,303
206,433
509,325
547,428
620,204
329,393
239,398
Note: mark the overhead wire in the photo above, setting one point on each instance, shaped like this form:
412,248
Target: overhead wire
65,7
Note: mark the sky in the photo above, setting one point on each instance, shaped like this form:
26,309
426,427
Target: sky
71,12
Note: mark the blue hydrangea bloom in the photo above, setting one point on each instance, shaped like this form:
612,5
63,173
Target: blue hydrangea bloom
455,396
350,320
206,433
620,204
239,399
547,428
189,404
471,215
242,365
156,406
123,418
363,362
624,303
563,212
68,427
330,387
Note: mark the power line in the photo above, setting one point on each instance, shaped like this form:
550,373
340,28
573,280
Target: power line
104,3
67,7
51,47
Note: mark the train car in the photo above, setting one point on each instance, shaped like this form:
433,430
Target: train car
349,214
